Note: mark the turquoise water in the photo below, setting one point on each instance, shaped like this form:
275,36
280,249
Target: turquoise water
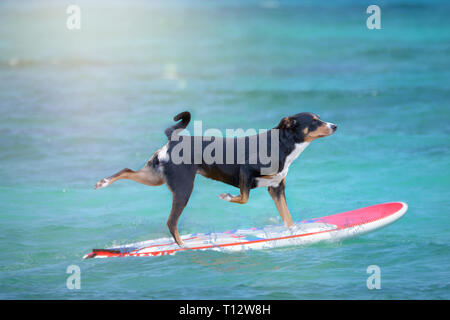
77,106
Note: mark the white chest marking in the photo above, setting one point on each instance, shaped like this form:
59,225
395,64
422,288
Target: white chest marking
277,178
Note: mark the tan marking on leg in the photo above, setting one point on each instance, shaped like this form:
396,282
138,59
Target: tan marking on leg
146,175
244,188
241,199
279,198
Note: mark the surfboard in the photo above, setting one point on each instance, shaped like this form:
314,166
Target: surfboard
335,227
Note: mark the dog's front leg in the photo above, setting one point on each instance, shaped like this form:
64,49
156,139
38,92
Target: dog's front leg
279,198
244,186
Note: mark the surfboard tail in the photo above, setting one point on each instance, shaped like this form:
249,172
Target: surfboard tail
107,253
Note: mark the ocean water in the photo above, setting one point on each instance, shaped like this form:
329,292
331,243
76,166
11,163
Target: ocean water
79,105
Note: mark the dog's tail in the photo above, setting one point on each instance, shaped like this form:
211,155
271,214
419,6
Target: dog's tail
185,117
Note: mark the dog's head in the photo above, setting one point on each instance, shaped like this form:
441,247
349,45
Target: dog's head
306,126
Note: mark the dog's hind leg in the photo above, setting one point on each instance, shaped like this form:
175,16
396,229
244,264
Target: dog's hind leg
279,198
244,186
181,192
147,175
178,204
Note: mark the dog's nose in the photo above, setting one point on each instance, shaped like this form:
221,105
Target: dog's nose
333,127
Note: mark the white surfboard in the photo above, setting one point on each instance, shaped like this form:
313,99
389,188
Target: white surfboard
330,228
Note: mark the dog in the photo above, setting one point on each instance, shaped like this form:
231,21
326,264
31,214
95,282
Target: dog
292,135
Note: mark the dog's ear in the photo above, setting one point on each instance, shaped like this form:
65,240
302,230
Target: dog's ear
287,123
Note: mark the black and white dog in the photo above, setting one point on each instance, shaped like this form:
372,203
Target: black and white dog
234,166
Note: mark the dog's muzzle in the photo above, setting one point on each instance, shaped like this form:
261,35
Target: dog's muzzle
332,127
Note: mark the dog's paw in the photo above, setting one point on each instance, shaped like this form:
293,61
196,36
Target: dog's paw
225,196
102,183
